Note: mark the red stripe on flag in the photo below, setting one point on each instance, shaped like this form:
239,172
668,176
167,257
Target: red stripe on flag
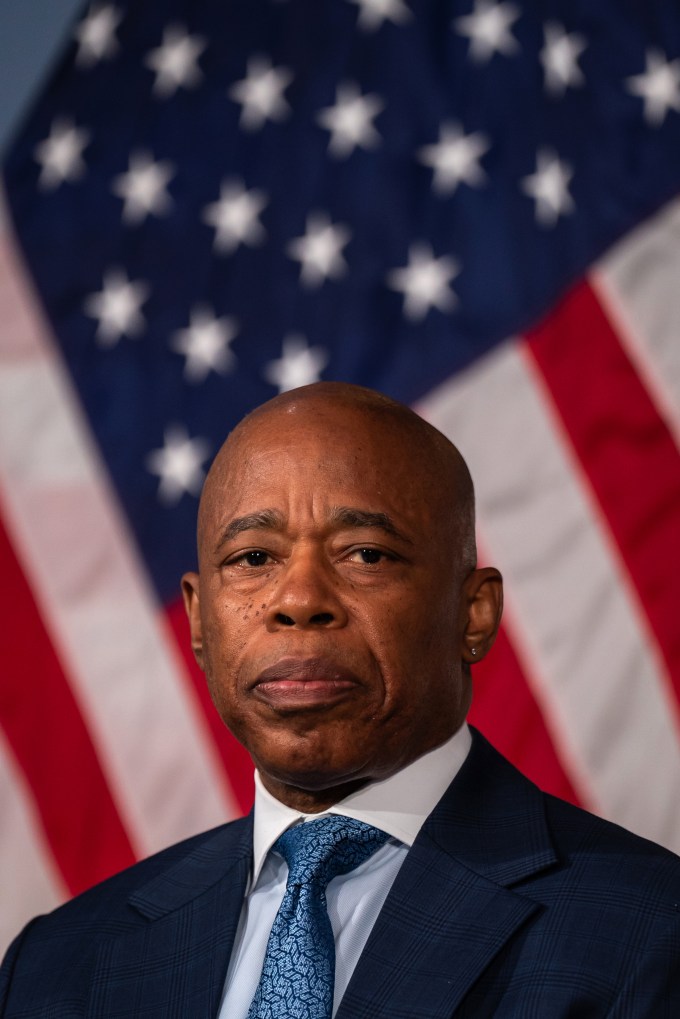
505,709
236,760
625,449
48,737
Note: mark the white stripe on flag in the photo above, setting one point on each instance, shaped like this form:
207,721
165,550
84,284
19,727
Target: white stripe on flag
30,883
572,616
638,284
103,619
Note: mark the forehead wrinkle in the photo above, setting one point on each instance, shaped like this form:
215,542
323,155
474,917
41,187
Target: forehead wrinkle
349,516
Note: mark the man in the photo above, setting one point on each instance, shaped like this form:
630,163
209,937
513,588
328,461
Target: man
336,612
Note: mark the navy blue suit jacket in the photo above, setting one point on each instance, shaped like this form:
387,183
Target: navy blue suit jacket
510,904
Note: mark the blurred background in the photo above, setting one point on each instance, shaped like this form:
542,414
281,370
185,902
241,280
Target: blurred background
30,39
470,205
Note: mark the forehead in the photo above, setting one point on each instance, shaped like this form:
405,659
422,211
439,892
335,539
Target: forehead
325,454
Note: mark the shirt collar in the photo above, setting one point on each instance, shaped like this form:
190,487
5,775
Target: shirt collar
398,804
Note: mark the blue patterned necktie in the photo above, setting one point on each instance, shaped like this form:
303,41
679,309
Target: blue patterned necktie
299,965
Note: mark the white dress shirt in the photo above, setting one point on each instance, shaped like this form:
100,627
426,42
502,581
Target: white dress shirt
397,805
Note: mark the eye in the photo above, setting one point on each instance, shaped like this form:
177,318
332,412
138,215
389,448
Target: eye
255,557
369,556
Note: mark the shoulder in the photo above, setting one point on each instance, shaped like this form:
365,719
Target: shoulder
600,905
556,843
212,848
632,872
70,935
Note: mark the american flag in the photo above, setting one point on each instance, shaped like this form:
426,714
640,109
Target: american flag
467,204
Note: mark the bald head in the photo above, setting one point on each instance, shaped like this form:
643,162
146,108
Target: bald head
325,406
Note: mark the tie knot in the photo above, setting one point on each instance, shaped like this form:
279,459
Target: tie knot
321,850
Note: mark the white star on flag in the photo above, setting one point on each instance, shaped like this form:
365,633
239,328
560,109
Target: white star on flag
117,307
488,29
179,464
658,87
60,155
175,61
559,57
205,344
143,187
373,13
96,34
320,250
455,158
549,187
350,121
424,282
235,217
299,365
260,93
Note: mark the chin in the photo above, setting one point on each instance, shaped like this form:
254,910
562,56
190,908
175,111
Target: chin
312,773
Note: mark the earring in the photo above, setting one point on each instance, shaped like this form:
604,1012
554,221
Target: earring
473,650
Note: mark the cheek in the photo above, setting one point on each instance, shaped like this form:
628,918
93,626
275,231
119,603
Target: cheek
224,643
419,652
227,621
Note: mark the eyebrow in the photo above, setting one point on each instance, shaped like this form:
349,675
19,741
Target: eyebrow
346,516
351,517
266,519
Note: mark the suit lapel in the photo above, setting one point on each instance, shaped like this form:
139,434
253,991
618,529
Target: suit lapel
451,908
440,927
174,964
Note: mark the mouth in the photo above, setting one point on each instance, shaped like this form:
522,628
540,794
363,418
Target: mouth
295,684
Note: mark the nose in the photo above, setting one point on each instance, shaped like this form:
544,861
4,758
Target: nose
306,596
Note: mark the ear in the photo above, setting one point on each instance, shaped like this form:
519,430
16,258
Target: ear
482,600
190,586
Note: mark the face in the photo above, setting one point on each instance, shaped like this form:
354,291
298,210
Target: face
330,616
